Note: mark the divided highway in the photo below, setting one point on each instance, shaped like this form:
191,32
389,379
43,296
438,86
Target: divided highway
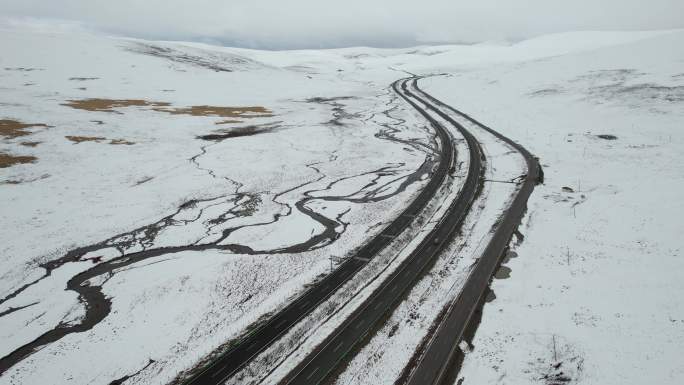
434,362
227,364
325,359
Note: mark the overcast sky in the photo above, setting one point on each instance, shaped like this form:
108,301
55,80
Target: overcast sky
280,24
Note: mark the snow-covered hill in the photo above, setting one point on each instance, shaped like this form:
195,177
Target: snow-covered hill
206,162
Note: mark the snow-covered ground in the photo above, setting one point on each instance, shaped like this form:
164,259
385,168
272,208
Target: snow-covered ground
178,181
190,231
384,358
595,295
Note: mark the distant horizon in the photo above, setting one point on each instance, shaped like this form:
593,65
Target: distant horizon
47,25
308,24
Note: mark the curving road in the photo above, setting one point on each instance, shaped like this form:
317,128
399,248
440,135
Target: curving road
436,363
324,360
262,337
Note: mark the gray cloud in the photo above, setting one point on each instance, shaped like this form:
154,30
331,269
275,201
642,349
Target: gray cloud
279,24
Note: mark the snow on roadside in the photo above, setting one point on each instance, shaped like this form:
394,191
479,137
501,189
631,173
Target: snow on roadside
384,358
595,294
291,349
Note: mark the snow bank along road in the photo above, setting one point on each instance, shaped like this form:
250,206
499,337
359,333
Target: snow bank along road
234,359
320,363
443,347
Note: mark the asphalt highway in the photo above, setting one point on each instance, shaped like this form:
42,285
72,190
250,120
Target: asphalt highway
324,360
442,350
230,362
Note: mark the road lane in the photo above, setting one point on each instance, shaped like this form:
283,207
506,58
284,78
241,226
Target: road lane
262,337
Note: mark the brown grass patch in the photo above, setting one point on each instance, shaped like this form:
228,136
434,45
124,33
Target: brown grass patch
121,141
7,160
108,105
81,139
97,139
223,112
11,128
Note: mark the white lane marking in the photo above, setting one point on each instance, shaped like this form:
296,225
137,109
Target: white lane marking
312,373
338,346
280,323
217,373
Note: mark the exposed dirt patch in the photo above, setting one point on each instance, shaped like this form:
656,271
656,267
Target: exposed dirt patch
620,75
218,62
504,272
546,92
220,135
11,129
621,86
7,160
108,105
121,141
81,139
144,180
490,296
641,92
23,69
22,181
98,139
82,79
30,144
223,112
123,379
338,109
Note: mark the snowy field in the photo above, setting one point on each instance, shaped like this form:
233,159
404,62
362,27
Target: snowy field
595,295
188,191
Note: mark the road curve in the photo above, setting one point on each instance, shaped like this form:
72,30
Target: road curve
434,363
230,362
325,358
